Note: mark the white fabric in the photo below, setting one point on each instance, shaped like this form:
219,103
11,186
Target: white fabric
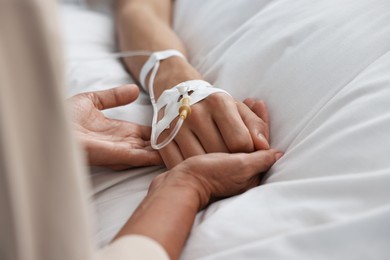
322,67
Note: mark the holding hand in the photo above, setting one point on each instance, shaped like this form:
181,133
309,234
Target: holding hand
168,211
216,124
112,143
218,175
219,124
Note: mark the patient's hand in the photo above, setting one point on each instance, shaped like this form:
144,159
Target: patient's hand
217,124
112,143
220,124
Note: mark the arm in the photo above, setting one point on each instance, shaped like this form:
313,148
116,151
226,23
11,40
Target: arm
218,123
145,25
168,211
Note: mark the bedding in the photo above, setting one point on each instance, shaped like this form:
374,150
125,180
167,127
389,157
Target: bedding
322,67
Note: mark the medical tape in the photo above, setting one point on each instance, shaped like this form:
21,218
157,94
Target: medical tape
154,59
170,99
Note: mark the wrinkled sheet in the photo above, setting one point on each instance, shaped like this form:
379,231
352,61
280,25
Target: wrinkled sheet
323,68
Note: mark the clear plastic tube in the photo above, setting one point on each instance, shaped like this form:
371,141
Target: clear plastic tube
169,139
172,135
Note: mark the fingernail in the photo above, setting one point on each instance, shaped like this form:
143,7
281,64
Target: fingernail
261,136
263,139
278,156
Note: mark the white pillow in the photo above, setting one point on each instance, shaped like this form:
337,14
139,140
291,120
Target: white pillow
323,68
312,63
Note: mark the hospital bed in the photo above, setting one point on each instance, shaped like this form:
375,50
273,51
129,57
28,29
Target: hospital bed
323,69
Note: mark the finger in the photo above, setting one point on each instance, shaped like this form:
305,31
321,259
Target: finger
188,143
106,153
144,157
260,109
212,141
249,102
258,129
119,167
114,97
233,130
171,155
207,132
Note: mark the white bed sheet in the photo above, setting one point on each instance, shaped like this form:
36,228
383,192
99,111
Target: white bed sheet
323,69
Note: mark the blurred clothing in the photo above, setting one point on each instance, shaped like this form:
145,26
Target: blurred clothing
43,182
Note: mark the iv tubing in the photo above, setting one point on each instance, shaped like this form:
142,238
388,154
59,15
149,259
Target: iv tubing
125,54
178,125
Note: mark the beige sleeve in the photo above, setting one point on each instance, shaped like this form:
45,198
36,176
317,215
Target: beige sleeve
133,247
44,212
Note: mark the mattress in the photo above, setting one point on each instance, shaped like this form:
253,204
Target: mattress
322,67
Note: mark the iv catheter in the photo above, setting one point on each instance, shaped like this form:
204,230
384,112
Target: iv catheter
176,101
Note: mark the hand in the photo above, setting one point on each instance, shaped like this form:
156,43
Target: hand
216,176
112,143
219,124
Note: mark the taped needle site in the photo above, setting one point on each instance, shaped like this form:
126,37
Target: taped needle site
176,101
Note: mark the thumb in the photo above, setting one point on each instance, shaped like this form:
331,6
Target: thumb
114,97
261,161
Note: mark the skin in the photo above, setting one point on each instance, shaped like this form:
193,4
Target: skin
111,143
120,144
168,211
217,124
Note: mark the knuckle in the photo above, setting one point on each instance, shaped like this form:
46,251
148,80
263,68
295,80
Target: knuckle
241,143
219,99
241,161
243,165
249,102
197,113
256,122
90,95
95,99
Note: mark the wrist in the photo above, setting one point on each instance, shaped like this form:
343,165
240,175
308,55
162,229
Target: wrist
182,185
172,72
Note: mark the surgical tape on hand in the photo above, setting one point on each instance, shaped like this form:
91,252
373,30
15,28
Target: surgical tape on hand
191,92
171,99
